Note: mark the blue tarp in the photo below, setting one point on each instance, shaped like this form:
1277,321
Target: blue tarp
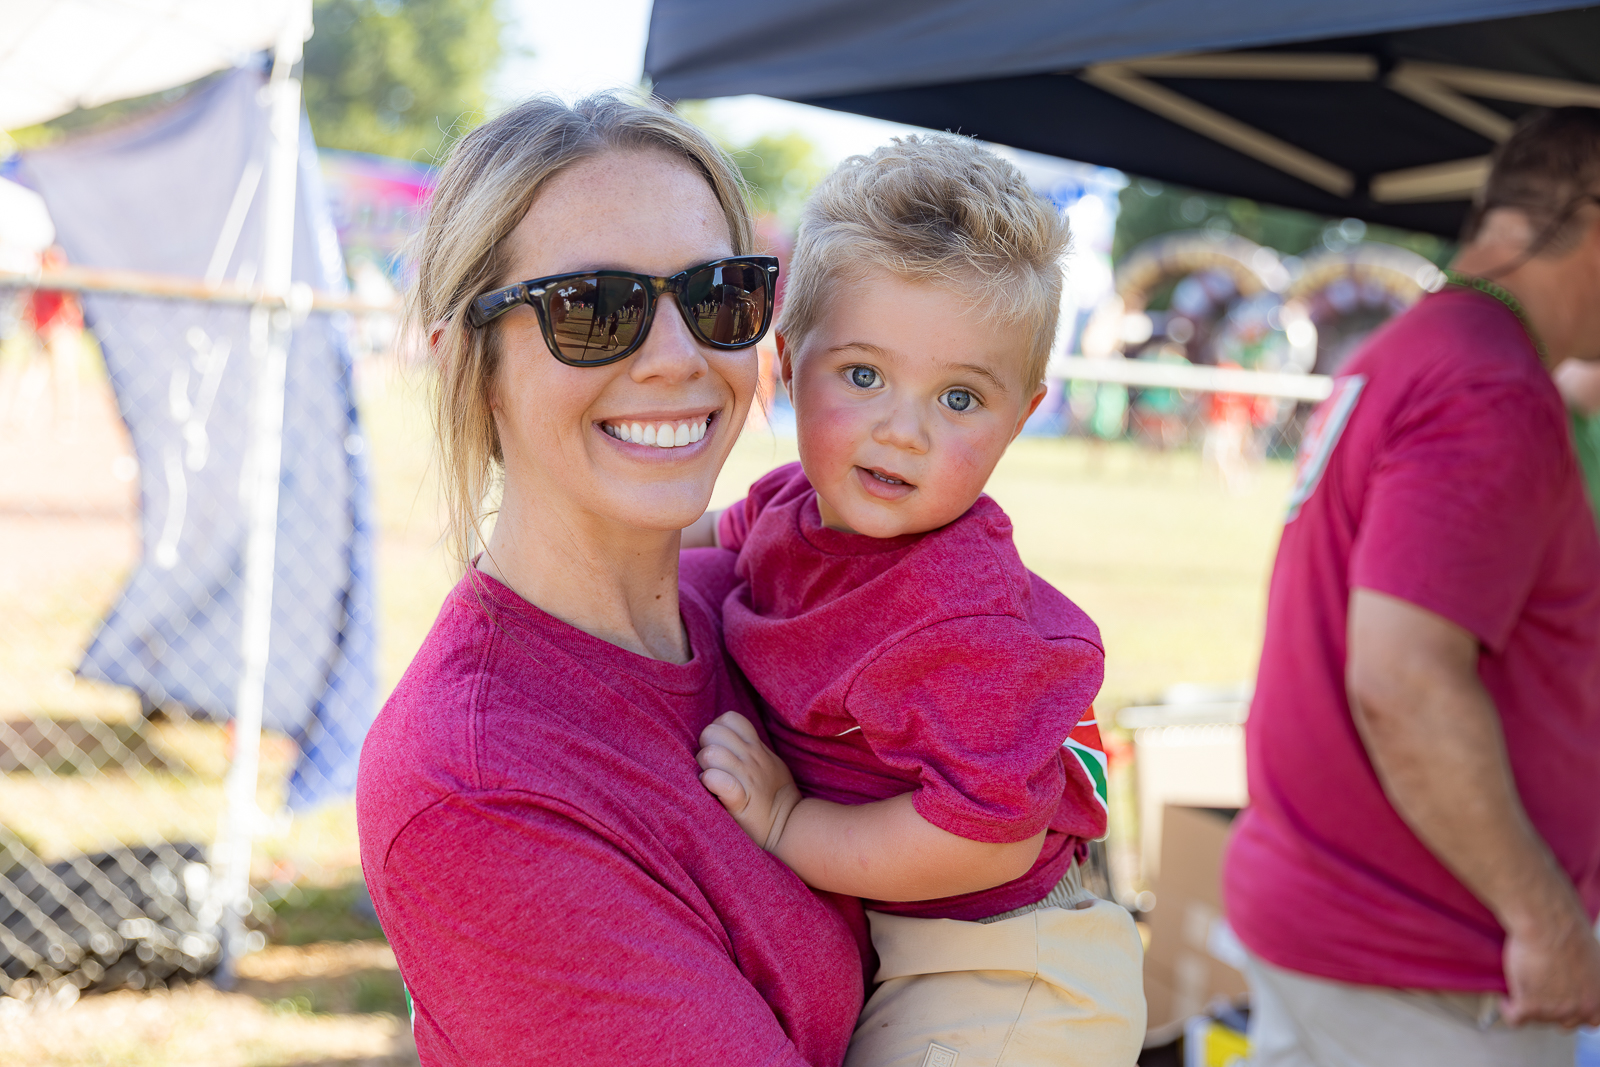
163,195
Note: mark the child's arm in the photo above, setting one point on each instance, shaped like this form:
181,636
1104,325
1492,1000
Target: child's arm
881,851
702,533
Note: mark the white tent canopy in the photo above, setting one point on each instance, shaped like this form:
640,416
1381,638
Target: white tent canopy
59,55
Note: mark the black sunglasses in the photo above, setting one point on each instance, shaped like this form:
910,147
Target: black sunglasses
594,317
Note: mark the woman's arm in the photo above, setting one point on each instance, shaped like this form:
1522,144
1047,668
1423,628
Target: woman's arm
524,937
881,851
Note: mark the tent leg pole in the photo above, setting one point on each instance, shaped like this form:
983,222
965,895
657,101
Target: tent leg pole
271,327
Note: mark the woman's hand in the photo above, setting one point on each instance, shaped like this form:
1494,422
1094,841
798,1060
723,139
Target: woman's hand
748,777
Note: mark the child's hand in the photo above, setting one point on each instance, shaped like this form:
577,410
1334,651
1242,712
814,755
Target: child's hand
748,777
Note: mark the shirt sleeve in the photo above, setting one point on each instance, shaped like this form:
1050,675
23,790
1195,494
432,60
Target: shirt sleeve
1461,504
525,937
977,709
734,525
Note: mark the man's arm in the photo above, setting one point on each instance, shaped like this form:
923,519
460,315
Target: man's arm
1434,737
881,851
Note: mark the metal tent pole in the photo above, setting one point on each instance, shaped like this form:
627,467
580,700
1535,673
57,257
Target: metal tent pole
271,326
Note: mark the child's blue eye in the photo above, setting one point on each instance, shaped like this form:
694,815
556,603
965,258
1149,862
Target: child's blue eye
959,400
863,377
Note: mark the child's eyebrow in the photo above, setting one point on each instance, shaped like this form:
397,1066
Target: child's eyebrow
982,372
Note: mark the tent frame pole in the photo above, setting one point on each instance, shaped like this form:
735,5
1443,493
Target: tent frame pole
271,328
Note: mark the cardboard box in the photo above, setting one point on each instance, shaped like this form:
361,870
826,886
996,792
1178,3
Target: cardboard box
1195,765
1194,957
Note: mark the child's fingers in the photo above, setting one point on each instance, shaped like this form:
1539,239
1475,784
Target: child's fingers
719,733
726,788
726,760
741,726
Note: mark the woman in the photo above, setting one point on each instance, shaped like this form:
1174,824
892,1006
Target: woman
557,885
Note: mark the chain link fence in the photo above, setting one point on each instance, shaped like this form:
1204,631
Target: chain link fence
129,451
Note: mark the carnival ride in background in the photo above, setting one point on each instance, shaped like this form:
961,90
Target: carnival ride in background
1197,299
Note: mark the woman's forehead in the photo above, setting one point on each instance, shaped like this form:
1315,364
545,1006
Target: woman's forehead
641,210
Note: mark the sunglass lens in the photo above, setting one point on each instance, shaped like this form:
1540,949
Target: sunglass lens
595,319
727,303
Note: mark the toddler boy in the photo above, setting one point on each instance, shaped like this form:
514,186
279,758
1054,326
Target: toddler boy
927,691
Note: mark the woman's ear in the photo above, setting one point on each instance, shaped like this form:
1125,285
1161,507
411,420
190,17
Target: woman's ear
436,331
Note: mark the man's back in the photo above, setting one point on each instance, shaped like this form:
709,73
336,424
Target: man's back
1442,475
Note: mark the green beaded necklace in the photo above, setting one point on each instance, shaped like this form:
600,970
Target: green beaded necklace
1500,293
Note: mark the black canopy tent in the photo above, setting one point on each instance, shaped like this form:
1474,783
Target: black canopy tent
1385,110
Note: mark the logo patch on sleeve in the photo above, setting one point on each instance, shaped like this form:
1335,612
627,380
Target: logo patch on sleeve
1323,431
1083,744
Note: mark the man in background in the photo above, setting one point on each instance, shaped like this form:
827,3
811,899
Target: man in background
1419,870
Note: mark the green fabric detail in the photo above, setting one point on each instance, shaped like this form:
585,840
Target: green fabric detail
1586,440
1094,765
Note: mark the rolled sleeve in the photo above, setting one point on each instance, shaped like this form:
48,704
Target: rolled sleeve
976,710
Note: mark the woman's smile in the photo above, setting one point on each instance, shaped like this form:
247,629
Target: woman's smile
659,432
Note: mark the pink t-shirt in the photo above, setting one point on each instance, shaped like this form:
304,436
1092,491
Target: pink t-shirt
558,886
1440,473
931,663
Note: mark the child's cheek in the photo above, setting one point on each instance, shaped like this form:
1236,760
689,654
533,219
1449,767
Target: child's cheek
829,433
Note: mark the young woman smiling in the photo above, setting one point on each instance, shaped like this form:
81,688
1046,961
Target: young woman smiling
556,883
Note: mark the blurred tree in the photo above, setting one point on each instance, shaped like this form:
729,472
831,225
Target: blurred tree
394,76
781,168
1151,208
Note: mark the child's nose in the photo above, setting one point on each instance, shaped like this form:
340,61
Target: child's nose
902,427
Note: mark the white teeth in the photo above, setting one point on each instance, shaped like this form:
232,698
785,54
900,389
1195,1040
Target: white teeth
661,435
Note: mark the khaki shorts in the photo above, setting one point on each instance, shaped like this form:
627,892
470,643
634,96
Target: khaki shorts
1299,1020
1058,986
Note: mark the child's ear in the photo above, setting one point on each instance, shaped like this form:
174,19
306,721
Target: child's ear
785,364
1029,408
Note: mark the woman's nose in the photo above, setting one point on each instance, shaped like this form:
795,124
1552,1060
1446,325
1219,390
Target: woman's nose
670,354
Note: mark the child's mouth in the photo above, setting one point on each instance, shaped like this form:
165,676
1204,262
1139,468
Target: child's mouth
882,484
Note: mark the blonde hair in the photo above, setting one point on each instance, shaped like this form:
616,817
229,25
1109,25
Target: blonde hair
485,188
934,208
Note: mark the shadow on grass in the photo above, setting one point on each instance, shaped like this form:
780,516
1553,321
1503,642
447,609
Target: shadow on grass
325,955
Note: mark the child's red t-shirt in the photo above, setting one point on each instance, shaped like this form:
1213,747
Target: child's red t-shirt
935,664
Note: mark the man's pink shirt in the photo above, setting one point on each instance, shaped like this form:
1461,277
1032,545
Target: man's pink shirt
1453,486
557,884
933,664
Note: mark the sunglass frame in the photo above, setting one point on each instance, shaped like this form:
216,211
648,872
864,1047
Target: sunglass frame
535,292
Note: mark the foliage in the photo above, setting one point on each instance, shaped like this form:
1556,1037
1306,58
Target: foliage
781,167
1151,208
394,76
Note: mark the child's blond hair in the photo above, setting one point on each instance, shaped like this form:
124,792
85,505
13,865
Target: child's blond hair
934,208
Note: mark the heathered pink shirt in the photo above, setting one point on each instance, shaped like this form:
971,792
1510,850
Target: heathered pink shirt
1441,473
557,884
933,664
